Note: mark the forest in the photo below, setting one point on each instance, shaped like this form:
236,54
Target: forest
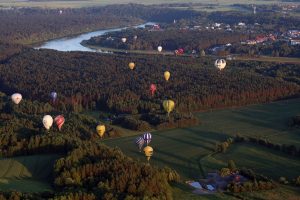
27,25
170,39
87,81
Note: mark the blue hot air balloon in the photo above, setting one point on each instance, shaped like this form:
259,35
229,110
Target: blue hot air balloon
53,96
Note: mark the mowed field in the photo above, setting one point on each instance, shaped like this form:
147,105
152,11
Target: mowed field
90,3
187,149
27,173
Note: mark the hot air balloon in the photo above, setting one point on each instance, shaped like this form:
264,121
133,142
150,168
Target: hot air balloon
135,37
53,96
148,152
16,98
60,12
167,75
131,65
147,137
220,64
152,89
159,48
139,141
100,130
47,121
168,106
59,120
124,40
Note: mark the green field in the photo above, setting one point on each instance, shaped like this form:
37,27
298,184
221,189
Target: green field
91,3
183,149
27,173
187,149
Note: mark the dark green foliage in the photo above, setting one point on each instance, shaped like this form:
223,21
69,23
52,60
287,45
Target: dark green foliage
170,39
29,25
107,172
84,80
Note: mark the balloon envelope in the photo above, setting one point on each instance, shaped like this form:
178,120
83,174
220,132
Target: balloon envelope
124,40
131,65
159,48
16,98
147,137
59,120
100,130
139,141
168,105
53,95
220,64
167,75
152,89
148,152
47,121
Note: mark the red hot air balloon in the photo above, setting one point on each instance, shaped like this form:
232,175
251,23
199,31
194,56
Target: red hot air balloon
180,51
152,89
59,120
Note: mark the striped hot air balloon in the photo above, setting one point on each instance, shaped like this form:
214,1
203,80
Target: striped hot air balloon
147,138
139,141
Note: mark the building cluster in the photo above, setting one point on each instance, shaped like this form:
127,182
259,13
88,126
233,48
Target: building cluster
260,39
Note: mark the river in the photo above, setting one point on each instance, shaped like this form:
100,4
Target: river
73,43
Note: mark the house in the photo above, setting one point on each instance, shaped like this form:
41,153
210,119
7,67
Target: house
295,42
241,24
210,187
196,185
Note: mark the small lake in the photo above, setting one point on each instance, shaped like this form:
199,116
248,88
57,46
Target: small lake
73,43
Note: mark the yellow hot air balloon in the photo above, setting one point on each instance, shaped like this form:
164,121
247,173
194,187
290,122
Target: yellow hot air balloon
168,106
131,65
148,152
167,75
100,130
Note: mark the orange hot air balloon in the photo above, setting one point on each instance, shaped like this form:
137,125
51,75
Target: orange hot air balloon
59,120
148,152
131,65
152,89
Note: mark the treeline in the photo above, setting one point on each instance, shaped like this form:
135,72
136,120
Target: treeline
291,150
87,81
148,121
271,49
256,182
30,25
170,39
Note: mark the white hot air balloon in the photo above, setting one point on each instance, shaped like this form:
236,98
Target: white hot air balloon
220,64
159,48
47,121
16,98
135,37
124,40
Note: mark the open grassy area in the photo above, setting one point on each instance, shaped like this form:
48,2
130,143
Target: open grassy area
182,149
261,159
185,149
27,173
91,3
